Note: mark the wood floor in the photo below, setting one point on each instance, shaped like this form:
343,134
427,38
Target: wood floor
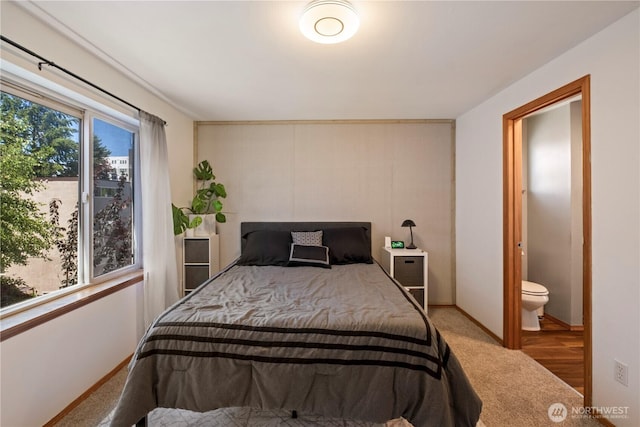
559,350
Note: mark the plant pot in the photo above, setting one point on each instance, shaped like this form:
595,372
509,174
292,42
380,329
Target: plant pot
208,226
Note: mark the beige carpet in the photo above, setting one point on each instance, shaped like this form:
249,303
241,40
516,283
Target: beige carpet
515,390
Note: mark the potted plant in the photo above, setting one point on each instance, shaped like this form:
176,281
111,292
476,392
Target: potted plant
206,201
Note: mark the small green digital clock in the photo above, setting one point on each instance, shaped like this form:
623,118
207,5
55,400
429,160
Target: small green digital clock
397,244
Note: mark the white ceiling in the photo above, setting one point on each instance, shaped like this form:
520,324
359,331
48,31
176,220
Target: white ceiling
247,60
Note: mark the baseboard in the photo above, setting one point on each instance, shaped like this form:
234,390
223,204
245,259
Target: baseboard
472,319
605,422
442,305
565,325
53,421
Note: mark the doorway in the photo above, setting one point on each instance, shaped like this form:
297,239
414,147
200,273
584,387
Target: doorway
512,216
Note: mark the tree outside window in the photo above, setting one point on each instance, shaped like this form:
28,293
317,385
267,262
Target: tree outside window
41,215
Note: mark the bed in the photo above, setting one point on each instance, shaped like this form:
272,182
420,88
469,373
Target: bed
303,320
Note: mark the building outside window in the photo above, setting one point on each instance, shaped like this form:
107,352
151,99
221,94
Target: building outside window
68,204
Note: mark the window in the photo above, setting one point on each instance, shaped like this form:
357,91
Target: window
68,198
113,207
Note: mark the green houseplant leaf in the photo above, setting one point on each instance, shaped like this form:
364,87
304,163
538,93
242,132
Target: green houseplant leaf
204,172
206,200
199,203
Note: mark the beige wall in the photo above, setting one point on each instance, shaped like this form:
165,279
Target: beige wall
383,172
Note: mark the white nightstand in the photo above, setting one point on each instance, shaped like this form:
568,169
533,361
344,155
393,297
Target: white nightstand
200,260
409,267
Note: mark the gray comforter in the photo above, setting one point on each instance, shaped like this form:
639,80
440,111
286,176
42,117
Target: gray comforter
345,342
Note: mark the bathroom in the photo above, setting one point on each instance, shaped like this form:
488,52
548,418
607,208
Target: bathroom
552,232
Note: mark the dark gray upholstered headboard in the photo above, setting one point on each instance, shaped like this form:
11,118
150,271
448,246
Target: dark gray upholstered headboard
247,227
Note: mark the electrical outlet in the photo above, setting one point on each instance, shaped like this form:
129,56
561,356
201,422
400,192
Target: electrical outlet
621,373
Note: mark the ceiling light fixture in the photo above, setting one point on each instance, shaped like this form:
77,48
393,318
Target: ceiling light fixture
329,21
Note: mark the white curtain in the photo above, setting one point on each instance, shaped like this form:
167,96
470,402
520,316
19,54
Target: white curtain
158,248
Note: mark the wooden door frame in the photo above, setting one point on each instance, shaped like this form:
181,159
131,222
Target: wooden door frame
512,217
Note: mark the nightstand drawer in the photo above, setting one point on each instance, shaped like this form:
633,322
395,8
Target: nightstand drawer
200,260
196,251
195,275
418,294
409,270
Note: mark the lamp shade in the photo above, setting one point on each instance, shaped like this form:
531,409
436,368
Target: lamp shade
329,21
408,223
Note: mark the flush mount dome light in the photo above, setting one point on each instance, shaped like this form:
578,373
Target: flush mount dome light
329,21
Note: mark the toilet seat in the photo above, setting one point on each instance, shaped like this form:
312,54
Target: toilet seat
533,289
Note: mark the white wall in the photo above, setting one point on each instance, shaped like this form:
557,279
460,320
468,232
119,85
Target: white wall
549,207
577,220
612,58
367,171
554,210
47,367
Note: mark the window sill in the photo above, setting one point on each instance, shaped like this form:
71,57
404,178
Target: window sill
22,321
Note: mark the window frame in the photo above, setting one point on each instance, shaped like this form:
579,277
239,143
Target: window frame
33,87
88,208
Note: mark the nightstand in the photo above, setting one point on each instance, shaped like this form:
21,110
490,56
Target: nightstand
409,267
200,261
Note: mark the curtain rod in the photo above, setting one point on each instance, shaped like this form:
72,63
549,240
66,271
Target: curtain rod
44,61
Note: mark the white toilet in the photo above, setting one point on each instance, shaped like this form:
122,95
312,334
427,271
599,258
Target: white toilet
534,297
